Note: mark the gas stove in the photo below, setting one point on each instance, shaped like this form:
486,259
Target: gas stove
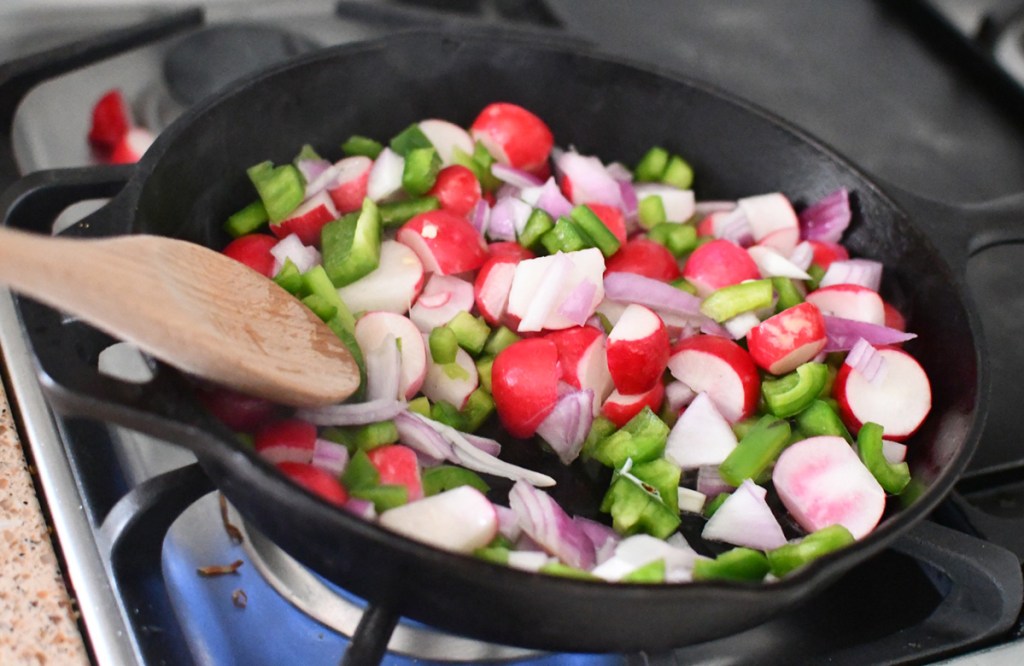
907,94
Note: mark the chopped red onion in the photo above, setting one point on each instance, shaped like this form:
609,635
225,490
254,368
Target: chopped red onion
360,507
745,519
772,264
655,294
705,208
480,216
577,305
734,226
383,369
701,436
548,197
514,177
528,560
312,170
863,272
678,395
508,523
710,483
358,413
827,219
489,446
602,536
638,550
866,360
566,427
619,172
426,441
894,452
290,247
802,255
591,182
330,456
543,519
545,300
385,177
505,191
842,334
630,204
434,300
508,215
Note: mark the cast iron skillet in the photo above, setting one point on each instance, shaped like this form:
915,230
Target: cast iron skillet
194,177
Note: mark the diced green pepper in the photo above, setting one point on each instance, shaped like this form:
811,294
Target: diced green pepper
360,472
351,245
892,477
443,345
501,337
321,307
816,272
565,236
307,152
564,570
410,139
471,332
371,435
596,230
680,239
789,295
663,476
445,477
420,171
798,553
281,189
678,173
420,405
448,414
316,281
247,220
396,213
362,145
651,211
496,554
484,364
385,496
538,224
635,510
792,393
821,418
682,284
756,451
601,428
652,165
736,564
713,505
289,278
652,572
478,408
727,302
642,439
480,164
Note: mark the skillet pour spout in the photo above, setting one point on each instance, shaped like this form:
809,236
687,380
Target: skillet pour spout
194,177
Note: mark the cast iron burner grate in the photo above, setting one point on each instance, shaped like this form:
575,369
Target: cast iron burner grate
944,590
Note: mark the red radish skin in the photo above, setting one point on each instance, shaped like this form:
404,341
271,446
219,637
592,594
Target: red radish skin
132,146
253,250
398,465
492,286
317,481
460,520
240,412
638,350
644,257
457,190
619,408
849,301
514,136
287,440
391,287
583,361
706,227
822,482
524,382
446,243
720,368
899,401
825,253
110,122
443,297
509,249
893,317
350,185
784,341
718,264
612,218
374,327
308,219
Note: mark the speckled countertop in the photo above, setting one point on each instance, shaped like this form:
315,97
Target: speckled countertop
37,618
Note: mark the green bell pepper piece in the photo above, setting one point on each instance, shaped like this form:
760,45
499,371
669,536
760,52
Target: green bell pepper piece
756,451
892,477
793,555
743,564
792,393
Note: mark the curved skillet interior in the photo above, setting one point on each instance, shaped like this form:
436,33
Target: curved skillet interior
194,177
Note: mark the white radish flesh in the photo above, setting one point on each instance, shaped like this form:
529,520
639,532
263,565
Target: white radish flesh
433,309
391,287
899,401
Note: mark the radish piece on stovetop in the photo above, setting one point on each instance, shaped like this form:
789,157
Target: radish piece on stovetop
619,408
443,297
350,183
513,136
452,383
286,440
446,137
583,361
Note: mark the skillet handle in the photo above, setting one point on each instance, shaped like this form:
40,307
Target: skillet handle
66,350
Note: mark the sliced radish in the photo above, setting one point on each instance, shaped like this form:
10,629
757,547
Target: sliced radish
899,402
679,204
745,519
514,136
446,137
644,257
457,190
132,146
530,277
720,368
446,243
308,219
783,241
383,361
769,213
492,286
524,382
585,180
287,440
849,301
619,408
701,436
460,520
784,341
373,327
638,350
718,264
443,297
583,361
385,179
678,395
391,287
253,250
612,218
894,452
825,252
448,384
317,481
350,184
822,482
398,465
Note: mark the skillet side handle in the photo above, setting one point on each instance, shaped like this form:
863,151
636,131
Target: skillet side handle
998,222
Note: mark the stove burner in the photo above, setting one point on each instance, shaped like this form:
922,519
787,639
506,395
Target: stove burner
207,60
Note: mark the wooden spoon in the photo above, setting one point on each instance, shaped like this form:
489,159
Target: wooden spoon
189,306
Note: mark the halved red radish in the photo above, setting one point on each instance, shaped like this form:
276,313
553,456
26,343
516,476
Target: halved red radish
899,400
443,297
493,283
448,384
375,327
111,119
822,482
583,361
524,382
706,226
825,253
446,137
240,412
398,465
349,185
514,136
644,257
457,189
446,243
392,287
720,368
638,350
315,480
784,341
718,264
460,520
132,146
253,250
619,408
612,218
532,278
679,204
849,301
308,219
509,249
287,440
701,436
